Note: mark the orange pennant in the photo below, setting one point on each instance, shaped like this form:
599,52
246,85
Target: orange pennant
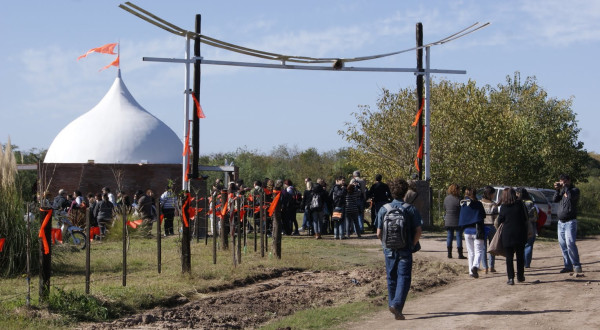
199,111
106,49
113,63
42,235
2,243
56,235
274,203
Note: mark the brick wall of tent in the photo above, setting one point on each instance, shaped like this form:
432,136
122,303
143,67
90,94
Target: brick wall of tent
92,177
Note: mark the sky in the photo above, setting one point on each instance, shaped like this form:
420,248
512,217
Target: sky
43,86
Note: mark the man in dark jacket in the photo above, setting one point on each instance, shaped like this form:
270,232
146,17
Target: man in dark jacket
61,202
567,196
379,193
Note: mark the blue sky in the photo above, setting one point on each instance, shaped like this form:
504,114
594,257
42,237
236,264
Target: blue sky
43,87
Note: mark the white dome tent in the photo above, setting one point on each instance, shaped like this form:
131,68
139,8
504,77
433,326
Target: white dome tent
117,144
116,131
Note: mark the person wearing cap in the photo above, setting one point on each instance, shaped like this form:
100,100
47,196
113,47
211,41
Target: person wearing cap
567,197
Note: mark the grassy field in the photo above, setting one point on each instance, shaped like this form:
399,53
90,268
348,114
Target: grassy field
146,288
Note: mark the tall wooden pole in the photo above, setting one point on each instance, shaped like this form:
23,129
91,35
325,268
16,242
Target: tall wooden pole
196,121
224,235
125,237
186,256
45,258
87,250
420,95
158,236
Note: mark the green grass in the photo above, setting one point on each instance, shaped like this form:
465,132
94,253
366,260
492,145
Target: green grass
325,318
146,288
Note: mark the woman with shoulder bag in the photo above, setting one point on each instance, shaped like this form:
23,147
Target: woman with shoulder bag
491,213
514,233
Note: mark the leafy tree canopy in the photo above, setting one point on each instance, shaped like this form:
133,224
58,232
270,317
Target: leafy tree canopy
512,134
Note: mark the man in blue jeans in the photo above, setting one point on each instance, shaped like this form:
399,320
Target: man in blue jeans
398,262
567,196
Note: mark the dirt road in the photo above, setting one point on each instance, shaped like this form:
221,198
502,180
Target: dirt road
546,300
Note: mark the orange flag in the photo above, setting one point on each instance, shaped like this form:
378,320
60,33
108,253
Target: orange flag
198,107
106,49
113,63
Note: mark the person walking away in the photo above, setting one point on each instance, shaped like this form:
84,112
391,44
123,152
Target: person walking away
471,219
317,204
306,201
491,214
144,209
451,214
352,209
514,233
361,184
532,212
338,198
104,213
379,193
398,262
567,197
168,202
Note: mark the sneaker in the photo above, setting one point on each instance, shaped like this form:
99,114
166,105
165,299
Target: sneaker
578,270
510,281
566,270
397,315
474,271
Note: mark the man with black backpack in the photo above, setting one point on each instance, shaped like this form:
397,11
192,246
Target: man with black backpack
399,229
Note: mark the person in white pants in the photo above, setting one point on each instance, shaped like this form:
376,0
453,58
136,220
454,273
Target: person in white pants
471,219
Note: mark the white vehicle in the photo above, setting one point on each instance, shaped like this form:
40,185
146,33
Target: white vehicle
537,197
549,193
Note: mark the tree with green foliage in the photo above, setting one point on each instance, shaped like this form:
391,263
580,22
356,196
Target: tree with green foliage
512,134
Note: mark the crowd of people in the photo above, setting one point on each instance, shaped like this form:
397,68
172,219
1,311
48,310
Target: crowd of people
478,220
102,207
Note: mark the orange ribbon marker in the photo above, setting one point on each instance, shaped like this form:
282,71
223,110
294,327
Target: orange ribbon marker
2,243
274,203
199,111
183,207
42,229
56,235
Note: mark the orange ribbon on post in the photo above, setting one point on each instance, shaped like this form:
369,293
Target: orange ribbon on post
199,111
420,151
274,203
2,240
186,204
42,235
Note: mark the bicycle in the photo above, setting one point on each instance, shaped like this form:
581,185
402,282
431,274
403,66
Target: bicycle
72,235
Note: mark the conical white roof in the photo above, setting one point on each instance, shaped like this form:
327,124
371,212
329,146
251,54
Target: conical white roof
116,130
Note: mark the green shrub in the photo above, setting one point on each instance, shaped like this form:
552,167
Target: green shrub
78,306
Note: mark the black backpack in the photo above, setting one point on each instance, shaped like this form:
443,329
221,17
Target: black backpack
316,202
396,227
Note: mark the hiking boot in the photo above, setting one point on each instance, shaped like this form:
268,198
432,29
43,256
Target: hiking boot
566,270
397,315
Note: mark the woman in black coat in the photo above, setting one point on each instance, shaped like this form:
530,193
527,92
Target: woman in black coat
514,233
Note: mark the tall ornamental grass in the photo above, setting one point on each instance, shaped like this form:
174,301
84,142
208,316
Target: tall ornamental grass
13,227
